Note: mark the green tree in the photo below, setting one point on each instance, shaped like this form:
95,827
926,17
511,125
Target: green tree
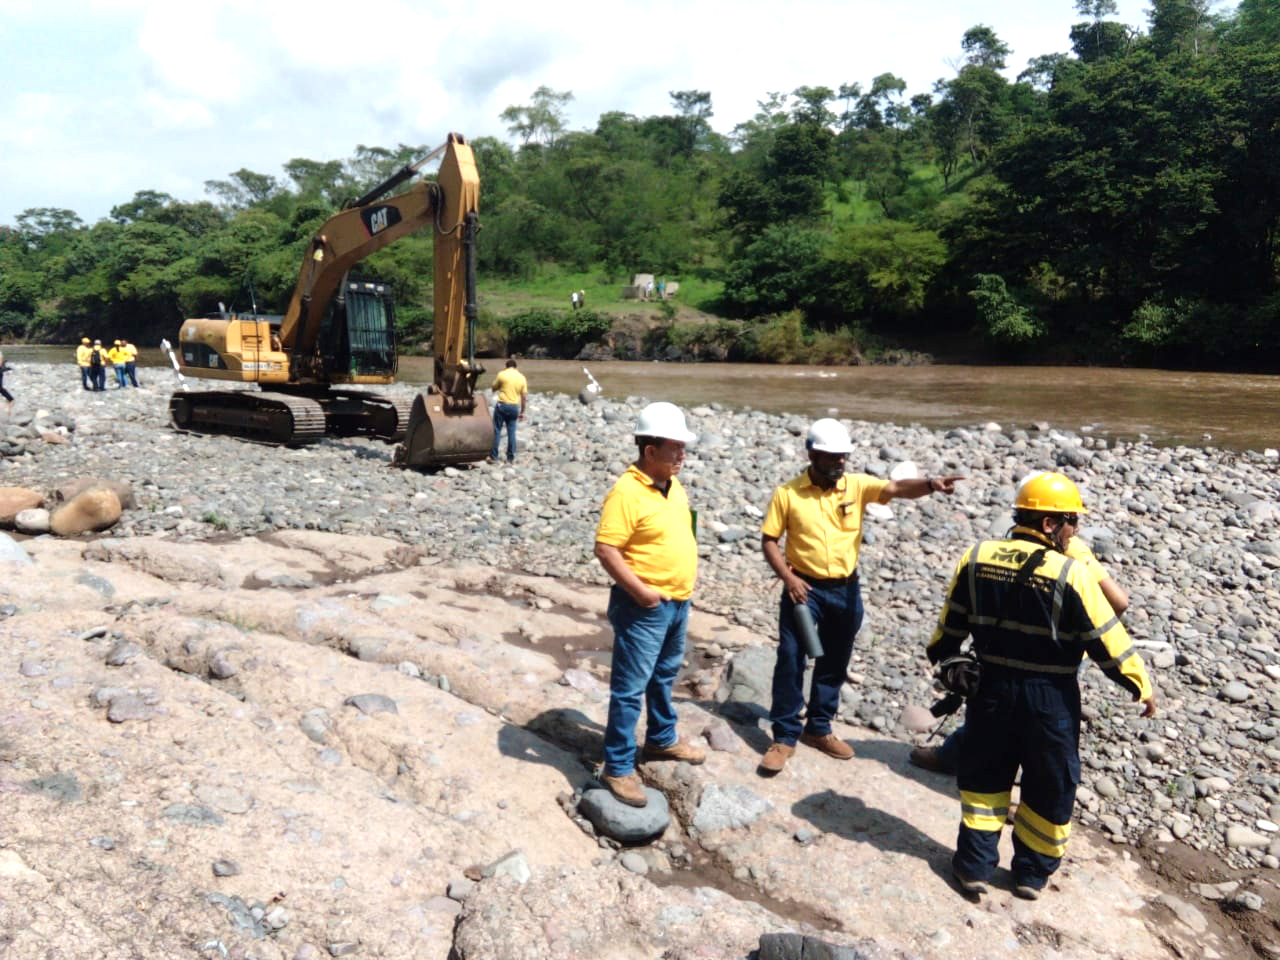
883,269
541,120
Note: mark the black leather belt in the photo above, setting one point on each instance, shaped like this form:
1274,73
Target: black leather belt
829,582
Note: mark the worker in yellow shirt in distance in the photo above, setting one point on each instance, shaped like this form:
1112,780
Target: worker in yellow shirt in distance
512,393
83,354
130,360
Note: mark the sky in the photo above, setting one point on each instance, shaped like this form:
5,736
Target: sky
102,98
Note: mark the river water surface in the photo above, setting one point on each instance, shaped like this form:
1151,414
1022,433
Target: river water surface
1234,411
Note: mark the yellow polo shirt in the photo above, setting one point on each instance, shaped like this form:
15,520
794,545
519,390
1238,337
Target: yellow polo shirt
823,527
654,533
130,352
1079,551
82,355
511,385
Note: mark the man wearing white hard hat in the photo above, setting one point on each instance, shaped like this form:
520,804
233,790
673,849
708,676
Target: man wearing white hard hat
646,543
819,513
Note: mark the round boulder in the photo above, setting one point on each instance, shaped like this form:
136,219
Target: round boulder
95,509
613,818
13,500
34,521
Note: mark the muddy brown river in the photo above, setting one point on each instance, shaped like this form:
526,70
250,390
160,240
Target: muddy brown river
1234,411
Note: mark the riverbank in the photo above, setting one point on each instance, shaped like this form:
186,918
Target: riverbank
1190,532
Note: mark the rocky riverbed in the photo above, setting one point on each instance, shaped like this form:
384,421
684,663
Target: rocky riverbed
1191,533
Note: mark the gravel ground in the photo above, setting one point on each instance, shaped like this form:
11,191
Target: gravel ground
1190,532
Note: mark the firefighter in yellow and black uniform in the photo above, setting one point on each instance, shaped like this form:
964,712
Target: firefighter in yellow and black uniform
1033,613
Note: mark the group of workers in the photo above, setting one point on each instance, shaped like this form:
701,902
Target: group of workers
93,359
1030,603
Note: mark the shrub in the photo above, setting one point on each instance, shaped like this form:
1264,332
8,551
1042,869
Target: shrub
562,332
781,339
1000,316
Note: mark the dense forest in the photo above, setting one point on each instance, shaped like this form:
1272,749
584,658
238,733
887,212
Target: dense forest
1118,204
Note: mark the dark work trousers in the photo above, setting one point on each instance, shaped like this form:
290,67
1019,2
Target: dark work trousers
837,613
1017,720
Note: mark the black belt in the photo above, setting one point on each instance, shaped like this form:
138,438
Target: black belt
830,581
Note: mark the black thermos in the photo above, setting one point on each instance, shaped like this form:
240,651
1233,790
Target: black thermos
808,630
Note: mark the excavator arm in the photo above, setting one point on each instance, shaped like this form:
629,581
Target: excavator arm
369,224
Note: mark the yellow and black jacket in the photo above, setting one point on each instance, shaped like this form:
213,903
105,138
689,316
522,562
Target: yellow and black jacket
1031,609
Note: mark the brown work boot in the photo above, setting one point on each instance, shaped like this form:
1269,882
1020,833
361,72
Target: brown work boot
829,744
928,758
775,758
628,788
680,750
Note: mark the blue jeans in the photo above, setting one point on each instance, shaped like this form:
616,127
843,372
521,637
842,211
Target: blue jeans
837,613
648,648
120,376
505,413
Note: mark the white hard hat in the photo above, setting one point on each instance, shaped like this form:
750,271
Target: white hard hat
663,420
828,436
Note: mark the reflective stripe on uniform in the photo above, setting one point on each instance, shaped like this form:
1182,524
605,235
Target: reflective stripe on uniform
1049,839
1119,658
952,607
984,811
1100,631
1059,589
1026,665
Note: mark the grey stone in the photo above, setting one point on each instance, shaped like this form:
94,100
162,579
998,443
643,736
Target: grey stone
613,818
123,709
226,868
722,808
1236,692
1242,837
371,703
1247,900
193,814
634,862
513,865
315,723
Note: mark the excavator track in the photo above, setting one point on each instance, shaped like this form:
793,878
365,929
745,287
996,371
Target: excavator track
356,413
276,419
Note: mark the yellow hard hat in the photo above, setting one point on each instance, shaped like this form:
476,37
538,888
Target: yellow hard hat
117,343
85,341
1049,492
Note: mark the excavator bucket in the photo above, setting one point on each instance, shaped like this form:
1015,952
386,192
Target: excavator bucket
435,438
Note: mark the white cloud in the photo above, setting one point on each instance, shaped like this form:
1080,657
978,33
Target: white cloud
165,95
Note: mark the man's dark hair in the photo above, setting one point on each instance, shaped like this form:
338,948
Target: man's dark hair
642,442
511,363
1031,518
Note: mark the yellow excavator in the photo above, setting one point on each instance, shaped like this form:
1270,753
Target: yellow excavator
340,330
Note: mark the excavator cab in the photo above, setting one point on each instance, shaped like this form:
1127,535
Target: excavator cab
358,333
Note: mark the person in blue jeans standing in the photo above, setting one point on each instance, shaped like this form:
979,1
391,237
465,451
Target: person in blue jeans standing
512,393
647,543
819,513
